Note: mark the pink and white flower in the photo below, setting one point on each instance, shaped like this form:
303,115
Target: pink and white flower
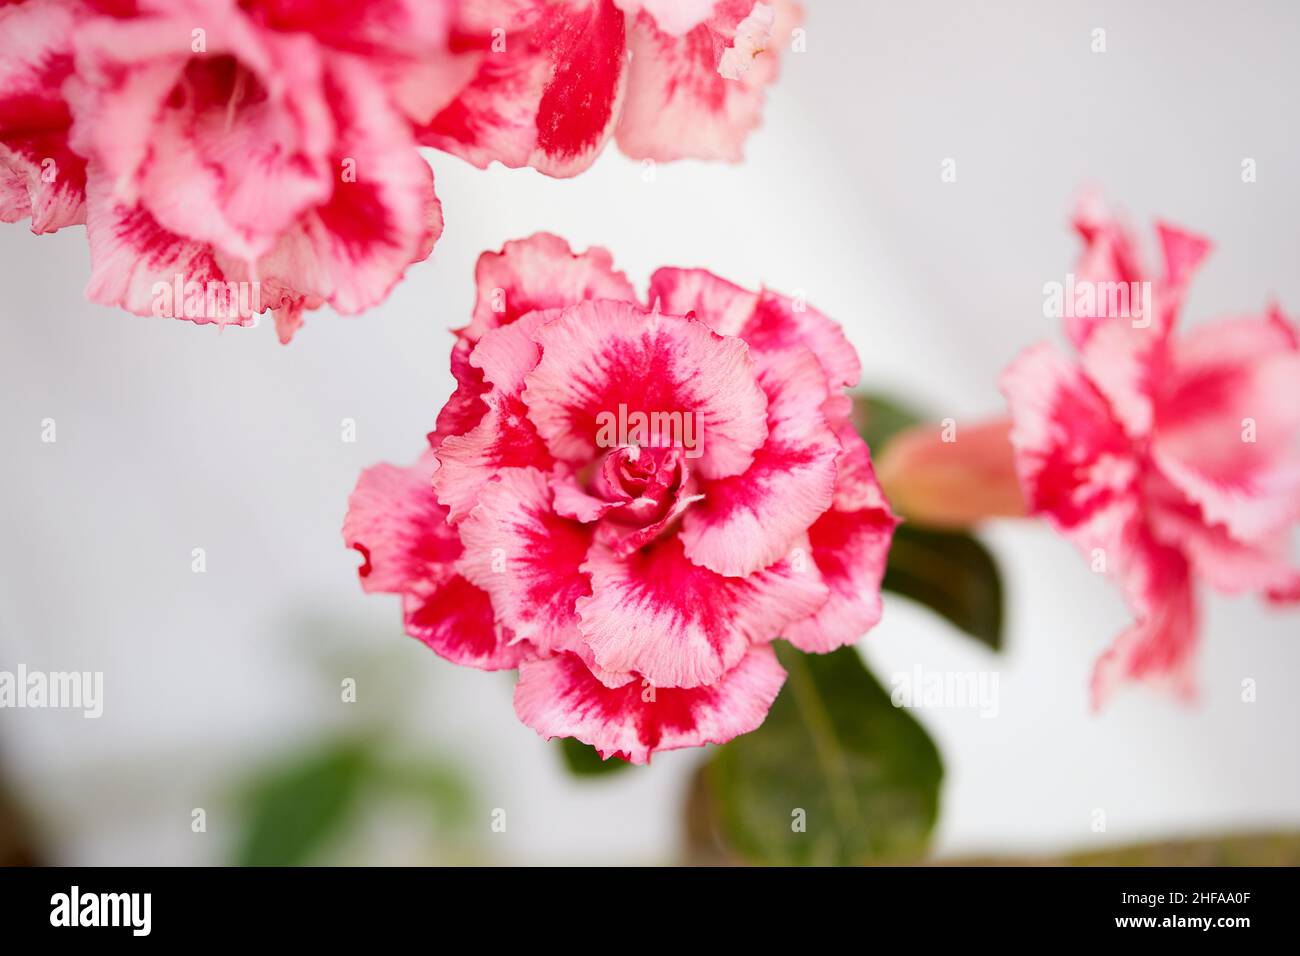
271,145
258,142
1170,457
637,584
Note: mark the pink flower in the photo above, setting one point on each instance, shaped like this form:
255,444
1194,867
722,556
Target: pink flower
233,156
263,143
1166,458
552,80
40,177
629,503
257,142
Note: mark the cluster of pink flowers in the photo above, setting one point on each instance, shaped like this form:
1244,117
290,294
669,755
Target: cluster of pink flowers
274,142
635,582
1167,458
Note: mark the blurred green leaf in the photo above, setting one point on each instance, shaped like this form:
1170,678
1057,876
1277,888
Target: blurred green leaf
298,808
583,760
952,574
878,419
441,787
834,753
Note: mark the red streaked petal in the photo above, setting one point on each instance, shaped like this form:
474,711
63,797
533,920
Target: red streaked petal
527,558
40,177
505,436
1159,647
540,272
1228,425
750,520
559,697
767,321
548,99
1075,463
603,355
680,625
454,618
401,531
848,548
701,94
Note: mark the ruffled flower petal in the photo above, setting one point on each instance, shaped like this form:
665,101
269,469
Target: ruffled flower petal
680,625
527,558
559,697
699,95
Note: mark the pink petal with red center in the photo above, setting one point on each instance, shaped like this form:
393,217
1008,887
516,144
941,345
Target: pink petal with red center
600,356
701,94
750,520
680,625
848,549
1075,462
559,697
1228,425
396,524
527,558
40,177
549,99
540,272
768,322
1159,647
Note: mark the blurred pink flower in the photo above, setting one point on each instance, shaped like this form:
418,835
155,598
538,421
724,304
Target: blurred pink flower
1166,458
635,570
222,146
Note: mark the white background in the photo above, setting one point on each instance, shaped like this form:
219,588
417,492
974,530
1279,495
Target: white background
172,437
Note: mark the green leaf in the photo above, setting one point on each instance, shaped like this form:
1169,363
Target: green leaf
583,760
864,773
297,809
952,574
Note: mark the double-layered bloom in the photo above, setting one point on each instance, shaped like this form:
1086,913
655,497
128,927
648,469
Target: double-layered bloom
1166,457
629,500
259,142
233,145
